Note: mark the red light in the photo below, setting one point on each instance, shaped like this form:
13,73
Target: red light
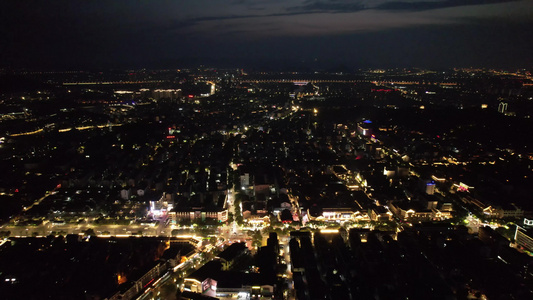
191,96
171,137
149,283
16,190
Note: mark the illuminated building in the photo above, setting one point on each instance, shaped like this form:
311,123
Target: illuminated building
495,211
201,280
524,238
415,211
511,211
430,188
162,206
340,215
364,128
198,213
528,223
410,211
211,280
380,213
462,187
245,180
171,94
142,283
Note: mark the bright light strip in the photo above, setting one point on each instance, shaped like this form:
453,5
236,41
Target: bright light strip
329,231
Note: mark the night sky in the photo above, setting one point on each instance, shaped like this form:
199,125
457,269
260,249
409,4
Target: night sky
266,34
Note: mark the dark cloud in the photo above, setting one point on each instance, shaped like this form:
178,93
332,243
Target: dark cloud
329,6
426,5
69,34
344,6
251,16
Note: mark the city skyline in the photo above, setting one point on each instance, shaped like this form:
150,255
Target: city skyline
298,35
164,184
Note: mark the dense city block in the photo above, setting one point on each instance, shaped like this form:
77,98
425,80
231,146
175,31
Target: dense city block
210,183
